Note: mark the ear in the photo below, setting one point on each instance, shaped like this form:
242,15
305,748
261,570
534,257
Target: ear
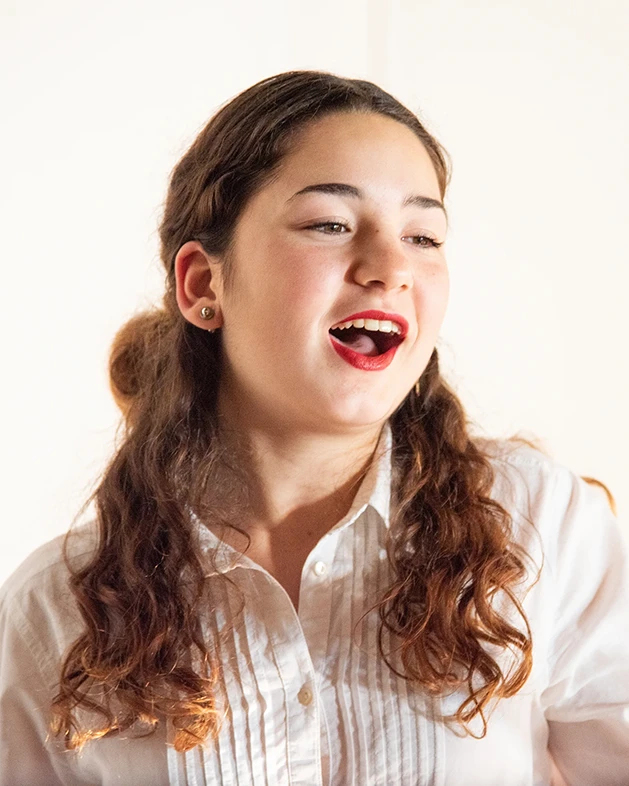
199,284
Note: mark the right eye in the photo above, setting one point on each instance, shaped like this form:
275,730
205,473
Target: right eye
330,227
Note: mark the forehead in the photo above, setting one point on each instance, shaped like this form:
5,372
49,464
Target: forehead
363,146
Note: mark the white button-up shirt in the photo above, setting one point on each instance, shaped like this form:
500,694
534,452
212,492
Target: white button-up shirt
306,697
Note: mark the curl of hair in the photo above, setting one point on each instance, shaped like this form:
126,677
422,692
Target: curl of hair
453,555
141,656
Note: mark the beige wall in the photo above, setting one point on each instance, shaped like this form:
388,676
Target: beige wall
100,99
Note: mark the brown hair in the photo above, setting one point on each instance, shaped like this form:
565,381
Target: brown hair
451,546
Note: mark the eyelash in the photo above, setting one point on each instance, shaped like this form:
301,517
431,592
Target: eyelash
433,243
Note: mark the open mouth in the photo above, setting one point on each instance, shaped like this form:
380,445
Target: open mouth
367,342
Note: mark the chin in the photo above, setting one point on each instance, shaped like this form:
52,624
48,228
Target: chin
357,412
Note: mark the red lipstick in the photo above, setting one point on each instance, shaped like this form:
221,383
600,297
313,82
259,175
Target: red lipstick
369,362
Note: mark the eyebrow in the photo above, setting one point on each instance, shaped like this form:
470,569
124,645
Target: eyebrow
343,189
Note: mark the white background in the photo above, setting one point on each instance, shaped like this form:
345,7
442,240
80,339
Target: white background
99,100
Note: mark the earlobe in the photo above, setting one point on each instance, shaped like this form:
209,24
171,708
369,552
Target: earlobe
198,282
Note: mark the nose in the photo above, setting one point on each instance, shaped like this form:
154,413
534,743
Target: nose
382,262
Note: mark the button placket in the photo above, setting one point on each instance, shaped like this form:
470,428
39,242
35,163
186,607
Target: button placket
296,671
315,597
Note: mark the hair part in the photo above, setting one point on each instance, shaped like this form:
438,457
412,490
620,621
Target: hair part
451,544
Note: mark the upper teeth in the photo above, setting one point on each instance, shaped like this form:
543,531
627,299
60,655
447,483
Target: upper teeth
383,325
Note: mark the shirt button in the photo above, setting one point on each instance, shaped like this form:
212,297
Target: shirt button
305,696
320,568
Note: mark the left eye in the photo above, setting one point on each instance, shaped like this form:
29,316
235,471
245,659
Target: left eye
424,240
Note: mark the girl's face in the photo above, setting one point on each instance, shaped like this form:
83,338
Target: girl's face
350,223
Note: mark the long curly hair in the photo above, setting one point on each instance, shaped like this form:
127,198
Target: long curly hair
451,546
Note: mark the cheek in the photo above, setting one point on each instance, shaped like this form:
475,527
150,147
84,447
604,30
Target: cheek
286,297
445,291
304,280
432,296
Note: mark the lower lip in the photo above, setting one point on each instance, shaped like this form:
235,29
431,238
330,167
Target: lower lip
363,362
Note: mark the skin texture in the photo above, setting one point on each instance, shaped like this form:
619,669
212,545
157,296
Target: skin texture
309,420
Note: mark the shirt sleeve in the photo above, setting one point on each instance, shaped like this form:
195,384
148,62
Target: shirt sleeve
586,701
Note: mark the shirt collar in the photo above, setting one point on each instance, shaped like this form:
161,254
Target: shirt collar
375,488
374,491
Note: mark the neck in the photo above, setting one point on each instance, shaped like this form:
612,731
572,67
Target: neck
296,479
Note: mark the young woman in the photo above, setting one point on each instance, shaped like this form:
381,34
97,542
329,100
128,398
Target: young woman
304,569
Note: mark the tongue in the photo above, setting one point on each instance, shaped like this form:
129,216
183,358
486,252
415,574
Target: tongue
362,344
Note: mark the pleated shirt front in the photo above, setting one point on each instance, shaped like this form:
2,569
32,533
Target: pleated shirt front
306,698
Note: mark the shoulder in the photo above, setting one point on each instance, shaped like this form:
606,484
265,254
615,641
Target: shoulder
556,514
516,452
526,476
36,602
46,566
579,550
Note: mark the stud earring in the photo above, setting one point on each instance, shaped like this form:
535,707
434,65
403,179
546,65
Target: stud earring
208,313
417,388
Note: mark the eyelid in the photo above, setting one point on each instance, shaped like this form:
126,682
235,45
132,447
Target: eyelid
421,232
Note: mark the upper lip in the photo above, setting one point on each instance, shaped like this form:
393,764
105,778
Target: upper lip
380,315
